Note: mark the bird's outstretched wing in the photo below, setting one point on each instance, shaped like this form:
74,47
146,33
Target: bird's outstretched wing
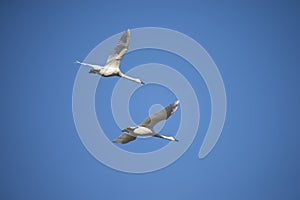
161,115
124,138
120,50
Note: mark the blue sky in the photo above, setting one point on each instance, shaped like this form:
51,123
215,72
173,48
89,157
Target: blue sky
255,45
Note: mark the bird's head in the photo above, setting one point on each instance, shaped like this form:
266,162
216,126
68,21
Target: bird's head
140,81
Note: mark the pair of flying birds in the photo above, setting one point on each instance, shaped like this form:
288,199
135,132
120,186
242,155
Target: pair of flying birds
111,68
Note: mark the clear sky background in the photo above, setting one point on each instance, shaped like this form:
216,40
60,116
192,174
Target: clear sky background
255,45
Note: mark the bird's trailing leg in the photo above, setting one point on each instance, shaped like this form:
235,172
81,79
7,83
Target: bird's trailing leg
87,64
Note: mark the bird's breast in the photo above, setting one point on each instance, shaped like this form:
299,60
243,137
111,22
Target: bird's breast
109,71
142,131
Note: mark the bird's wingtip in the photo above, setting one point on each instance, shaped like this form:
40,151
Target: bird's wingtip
174,106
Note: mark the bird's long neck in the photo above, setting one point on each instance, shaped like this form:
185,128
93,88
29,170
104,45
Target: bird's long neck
168,138
165,137
130,78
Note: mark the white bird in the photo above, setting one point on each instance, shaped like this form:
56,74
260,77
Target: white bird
146,127
111,68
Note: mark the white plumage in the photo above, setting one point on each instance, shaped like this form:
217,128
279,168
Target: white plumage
112,66
146,127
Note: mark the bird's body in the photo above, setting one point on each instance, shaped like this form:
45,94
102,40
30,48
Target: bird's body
108,71
139,131
146,127
112,66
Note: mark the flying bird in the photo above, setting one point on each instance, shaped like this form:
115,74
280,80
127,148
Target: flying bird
146,127
111,68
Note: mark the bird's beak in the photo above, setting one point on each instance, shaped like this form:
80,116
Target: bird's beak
142,83
176,140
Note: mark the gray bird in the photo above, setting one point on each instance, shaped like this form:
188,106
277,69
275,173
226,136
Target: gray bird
111,68
146,127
